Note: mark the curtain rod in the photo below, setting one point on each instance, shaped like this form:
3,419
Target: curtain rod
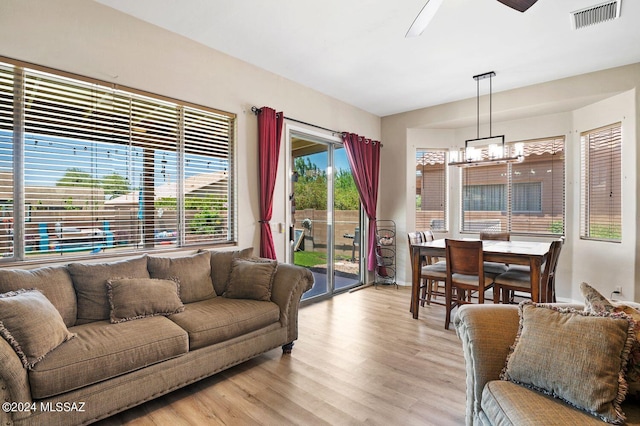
257,110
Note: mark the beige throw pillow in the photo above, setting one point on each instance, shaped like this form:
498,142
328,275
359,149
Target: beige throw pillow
193,273
31,324
221,266
251,279
596,302
134,298
573,355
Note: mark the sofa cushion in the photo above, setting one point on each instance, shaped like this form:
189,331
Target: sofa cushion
135,298
506,403
251,279
193,273
31,324
216,320
221,266
90,279
102,350
596,302
54,282
588,372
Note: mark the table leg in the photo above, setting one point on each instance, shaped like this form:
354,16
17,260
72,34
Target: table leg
538,293
415,280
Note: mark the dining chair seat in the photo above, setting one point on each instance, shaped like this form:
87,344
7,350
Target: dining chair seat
440,266
495,268
519,268
518,278
471,280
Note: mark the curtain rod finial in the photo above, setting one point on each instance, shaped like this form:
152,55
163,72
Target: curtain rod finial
256,110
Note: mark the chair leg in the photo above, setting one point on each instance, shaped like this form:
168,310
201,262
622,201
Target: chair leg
496,294
426,293
448,305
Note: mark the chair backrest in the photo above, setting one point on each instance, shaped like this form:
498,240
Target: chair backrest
499,236
550,265
422,237
464,257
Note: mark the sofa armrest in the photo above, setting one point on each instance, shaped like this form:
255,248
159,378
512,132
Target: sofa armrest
487,332
289,283
14,383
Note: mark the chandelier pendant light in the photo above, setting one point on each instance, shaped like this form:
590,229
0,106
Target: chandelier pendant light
496,152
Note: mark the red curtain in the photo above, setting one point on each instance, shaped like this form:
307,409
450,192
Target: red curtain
364,159
269,135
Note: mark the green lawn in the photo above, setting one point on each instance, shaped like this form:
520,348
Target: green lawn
309,258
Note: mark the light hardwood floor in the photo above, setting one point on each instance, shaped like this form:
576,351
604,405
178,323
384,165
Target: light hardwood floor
360,359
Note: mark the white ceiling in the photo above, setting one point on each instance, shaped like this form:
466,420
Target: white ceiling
355,50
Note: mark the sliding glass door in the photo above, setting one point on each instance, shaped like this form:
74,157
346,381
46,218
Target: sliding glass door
325,215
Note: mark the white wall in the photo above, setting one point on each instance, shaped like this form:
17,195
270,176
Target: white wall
559,108
606,265
89,39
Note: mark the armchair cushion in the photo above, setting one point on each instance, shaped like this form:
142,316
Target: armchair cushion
589,373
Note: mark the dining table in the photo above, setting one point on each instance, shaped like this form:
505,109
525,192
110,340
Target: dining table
529,253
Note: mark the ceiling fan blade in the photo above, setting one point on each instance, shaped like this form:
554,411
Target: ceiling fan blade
424,17
519,5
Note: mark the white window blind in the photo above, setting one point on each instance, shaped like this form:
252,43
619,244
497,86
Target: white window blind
521,198
110,170
601,184
431,190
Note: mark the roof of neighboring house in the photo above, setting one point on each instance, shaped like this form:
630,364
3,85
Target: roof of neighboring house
169,190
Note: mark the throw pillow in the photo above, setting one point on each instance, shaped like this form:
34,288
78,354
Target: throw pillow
134,298
573,355
89,280
596,302
31,324
193,273
221,266
251,279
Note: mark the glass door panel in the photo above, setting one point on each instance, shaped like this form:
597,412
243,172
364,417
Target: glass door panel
346,213
325,216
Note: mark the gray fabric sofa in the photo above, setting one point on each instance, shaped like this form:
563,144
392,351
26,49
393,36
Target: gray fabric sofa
229,309
487,332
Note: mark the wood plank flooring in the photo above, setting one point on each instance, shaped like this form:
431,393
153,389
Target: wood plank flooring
360,359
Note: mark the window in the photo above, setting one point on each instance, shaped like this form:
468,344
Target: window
101,169
431,190
601,184
521,198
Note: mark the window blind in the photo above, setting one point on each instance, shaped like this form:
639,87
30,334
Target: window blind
107,169
601,184
431,190
521,198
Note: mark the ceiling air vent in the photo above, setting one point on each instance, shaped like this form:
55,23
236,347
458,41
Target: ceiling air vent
595,14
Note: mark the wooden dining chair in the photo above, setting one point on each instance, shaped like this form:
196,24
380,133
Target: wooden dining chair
495,267
518,279
432,272
465,274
